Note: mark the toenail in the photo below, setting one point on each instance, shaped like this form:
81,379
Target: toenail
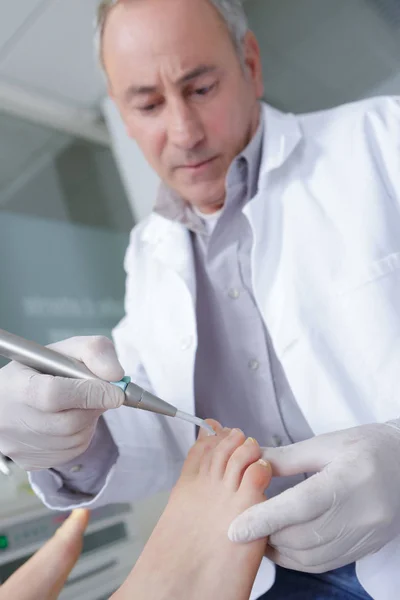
251,440
235,433
263,463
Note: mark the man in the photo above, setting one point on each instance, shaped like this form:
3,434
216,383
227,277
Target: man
262,292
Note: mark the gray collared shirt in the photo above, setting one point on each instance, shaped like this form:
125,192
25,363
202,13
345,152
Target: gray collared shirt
238,378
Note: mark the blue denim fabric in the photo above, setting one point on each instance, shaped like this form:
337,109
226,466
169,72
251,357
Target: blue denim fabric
340,584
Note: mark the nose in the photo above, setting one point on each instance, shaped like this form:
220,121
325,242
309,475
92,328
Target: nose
184,126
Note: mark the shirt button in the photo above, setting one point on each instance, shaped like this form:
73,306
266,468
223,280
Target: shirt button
234,293
76,469
276,441
186,342
254,365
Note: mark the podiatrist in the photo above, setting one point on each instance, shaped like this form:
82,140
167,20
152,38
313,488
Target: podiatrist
263,291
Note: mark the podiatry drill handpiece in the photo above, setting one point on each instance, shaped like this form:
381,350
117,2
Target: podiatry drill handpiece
51,362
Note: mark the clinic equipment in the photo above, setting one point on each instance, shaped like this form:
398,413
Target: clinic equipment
50,362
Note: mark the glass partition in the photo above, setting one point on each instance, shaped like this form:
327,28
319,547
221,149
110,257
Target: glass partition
64,226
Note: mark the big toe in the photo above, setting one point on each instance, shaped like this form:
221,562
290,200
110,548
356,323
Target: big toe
217,427
203,446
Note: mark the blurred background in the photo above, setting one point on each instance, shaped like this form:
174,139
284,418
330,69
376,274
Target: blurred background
72,186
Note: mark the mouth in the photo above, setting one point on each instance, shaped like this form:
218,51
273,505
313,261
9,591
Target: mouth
198,166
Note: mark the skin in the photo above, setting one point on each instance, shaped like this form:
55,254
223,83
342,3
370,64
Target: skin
182,91
189,555
45,574
221,477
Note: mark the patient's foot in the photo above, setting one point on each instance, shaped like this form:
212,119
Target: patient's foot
189,555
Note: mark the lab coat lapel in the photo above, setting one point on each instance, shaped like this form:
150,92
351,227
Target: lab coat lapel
277,285
170,244
282,136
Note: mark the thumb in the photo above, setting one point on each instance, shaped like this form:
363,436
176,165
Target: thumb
48,570
309,456
306,501
96,352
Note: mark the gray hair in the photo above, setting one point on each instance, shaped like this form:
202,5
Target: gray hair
231,11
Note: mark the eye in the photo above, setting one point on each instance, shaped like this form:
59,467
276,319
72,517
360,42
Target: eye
148,109
205,90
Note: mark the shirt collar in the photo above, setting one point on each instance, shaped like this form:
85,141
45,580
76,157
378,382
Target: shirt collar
244,170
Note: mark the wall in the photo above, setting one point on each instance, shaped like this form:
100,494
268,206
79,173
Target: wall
47,173
319,53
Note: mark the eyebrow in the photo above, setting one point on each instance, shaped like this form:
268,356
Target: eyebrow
142,90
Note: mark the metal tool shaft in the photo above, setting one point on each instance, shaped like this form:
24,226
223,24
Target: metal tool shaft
50,362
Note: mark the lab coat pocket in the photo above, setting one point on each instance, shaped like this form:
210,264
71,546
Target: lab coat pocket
368,301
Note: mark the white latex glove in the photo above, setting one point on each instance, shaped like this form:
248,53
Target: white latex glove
350,508
47,421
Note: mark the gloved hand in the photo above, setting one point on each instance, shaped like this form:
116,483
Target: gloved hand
47,421
350,508
45,574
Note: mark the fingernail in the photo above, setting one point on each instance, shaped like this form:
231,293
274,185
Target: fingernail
251,441
226,429
77,519
263,463
78,514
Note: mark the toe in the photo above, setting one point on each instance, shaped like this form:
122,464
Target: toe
195,457
211,445
199,456
242,457
257,477
214,424
223,452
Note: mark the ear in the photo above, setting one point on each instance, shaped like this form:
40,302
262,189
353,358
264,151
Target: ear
252,58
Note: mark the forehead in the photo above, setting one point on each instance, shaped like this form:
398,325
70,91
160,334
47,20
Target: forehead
141,34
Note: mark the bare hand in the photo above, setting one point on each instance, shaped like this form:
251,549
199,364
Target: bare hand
45,574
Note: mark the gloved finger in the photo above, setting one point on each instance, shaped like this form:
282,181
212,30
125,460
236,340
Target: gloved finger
62,424
332,529
301,537
60,451
45,574
54,394
308,456
96,352
317,560
318,532
300,504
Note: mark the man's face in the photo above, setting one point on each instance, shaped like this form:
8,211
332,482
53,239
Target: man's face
182,91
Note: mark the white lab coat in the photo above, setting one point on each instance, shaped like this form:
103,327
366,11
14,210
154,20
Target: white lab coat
326,278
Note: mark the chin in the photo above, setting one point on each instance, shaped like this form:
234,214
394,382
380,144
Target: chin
206,196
